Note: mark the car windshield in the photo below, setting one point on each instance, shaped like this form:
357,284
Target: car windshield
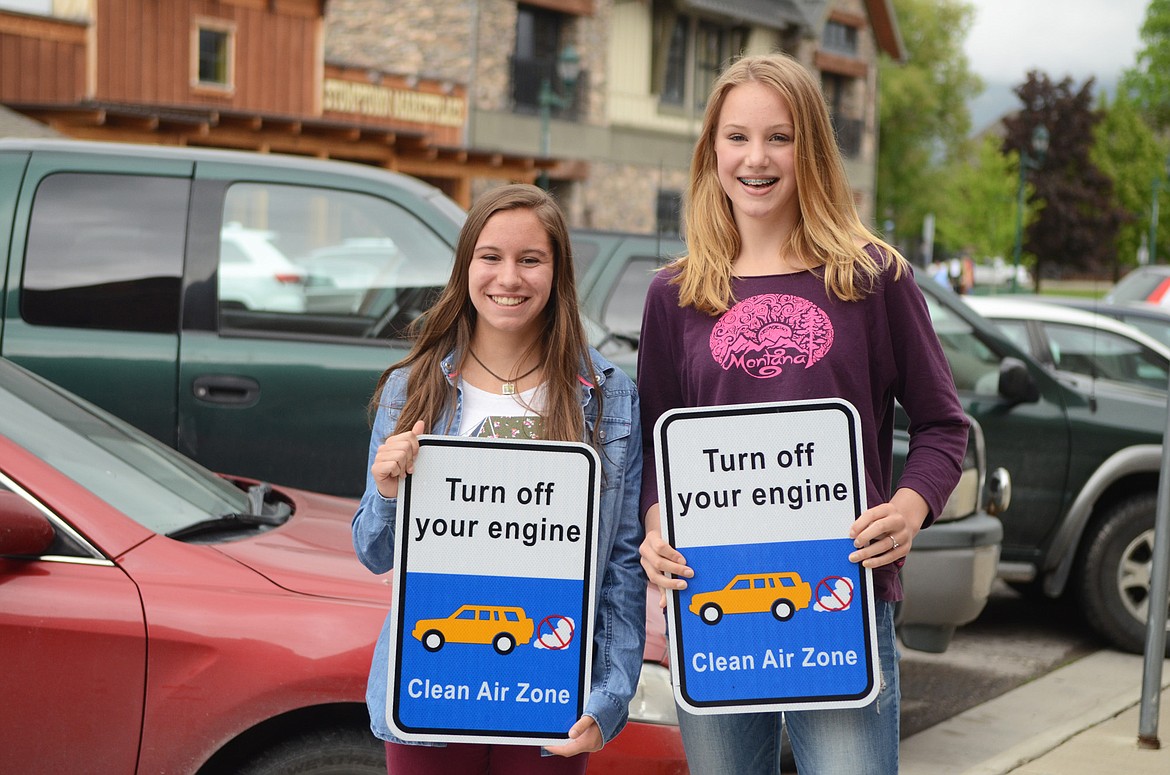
149,482
974,365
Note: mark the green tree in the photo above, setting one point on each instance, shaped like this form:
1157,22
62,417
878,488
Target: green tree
1126,150
923,110
1076,230
1149,81
977,209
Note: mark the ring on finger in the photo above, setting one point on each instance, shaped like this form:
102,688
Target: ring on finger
895,543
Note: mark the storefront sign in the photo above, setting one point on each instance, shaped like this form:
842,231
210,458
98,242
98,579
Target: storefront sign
366,99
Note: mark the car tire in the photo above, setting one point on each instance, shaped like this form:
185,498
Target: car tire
503,643
433,640
330,751
1115,573
710,613
783,609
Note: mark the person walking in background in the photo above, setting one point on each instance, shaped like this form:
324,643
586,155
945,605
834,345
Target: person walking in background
772,235
504,345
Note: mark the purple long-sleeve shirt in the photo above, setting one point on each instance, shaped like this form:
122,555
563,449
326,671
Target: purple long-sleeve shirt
786,339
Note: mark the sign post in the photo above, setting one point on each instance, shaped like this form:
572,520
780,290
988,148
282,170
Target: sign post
493,591
759,499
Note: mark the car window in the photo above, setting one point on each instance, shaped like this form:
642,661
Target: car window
467,613
1105,355
623,309
585,252
1159,329
1017,332
305,260
974,365
105,251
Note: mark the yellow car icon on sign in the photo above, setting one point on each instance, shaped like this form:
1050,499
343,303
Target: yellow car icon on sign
502,626
749,593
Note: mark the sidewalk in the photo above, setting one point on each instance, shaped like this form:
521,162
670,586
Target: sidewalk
1080,719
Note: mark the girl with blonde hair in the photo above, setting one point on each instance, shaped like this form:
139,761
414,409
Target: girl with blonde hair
783,294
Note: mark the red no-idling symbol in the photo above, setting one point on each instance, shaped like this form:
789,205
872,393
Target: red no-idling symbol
831,597
555,632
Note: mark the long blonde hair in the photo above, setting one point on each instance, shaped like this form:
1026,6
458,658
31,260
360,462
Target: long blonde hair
448,326
829,234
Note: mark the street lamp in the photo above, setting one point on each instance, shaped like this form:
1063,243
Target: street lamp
1033,161
1157,186
568,71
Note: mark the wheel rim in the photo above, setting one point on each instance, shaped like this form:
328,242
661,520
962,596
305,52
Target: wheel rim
503,644
1133,576
711,614
433,641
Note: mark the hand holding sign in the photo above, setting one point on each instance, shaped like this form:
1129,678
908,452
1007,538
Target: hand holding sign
664,565
885,533
395,458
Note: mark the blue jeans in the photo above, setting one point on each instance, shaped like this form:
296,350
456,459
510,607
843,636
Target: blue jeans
852,741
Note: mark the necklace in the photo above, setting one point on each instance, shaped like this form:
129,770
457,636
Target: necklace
508,387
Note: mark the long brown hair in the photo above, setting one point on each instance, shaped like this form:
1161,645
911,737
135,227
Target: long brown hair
448,326
829,233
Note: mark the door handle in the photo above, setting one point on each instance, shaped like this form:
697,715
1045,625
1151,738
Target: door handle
227,390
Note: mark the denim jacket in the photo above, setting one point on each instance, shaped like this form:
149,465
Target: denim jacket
620,603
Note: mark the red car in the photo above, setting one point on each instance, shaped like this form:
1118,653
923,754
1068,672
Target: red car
159,618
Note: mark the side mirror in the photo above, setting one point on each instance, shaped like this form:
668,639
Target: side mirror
24,531
1016,383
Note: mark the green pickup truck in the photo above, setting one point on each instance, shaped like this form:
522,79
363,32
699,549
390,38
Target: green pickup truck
237,306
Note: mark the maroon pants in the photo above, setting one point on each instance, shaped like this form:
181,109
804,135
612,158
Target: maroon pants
469,758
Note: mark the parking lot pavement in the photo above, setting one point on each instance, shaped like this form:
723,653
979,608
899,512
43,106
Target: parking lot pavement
1080,719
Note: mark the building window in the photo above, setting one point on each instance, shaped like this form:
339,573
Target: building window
541,35
689,55
667,209
214,48
840,38
840,95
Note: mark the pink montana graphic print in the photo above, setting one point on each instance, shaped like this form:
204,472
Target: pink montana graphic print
766,334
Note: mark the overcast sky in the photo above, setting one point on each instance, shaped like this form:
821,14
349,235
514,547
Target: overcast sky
1079,38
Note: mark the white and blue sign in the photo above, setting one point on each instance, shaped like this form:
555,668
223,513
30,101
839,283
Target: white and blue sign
759,498
493,606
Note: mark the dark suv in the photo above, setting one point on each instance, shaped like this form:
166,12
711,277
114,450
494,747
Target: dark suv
1084,464
950,576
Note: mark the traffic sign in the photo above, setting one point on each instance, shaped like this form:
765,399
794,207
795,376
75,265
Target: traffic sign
759,499
493,609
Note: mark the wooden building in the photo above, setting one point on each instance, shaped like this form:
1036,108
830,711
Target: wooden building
245,74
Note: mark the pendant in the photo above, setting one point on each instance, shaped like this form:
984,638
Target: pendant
508,389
